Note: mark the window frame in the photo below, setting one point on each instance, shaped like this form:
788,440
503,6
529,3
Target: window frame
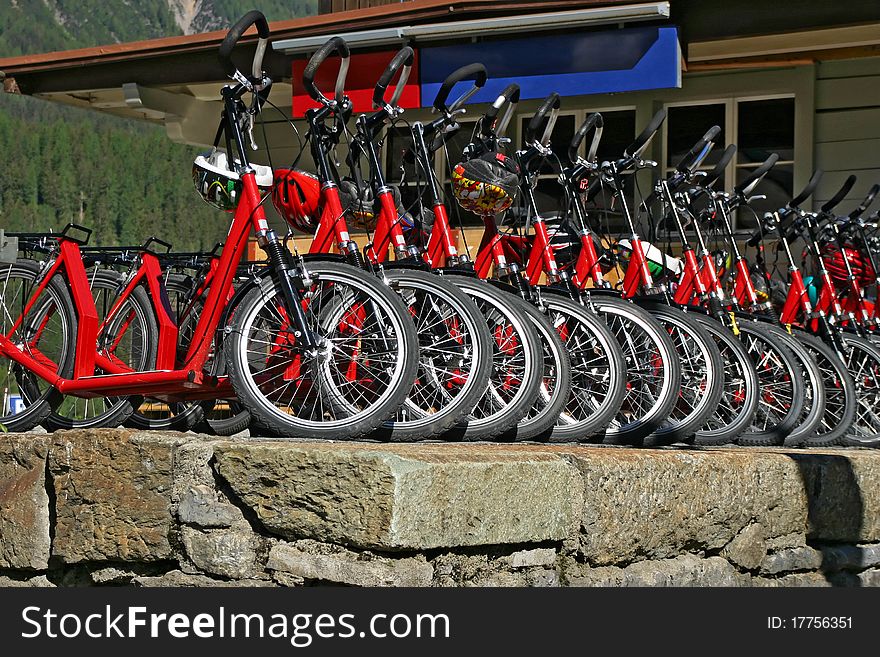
731,131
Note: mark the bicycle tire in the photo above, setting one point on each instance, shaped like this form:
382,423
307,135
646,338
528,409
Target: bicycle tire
840,393
702,377
863,362
455,357
553,393
517,363
739,400
814,392
54,305
374,317
781,389
598,370
653,369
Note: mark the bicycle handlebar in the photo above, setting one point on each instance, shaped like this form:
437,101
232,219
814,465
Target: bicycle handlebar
807,191
402,60
698,152
746,186
509,97
864,205
335,44
72,227
551,104
832,203
596,121
235,33
719,168
475,72
148,245
636,148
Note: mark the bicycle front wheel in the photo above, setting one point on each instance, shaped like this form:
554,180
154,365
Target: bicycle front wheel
782,388
46,331
702,377
652,368
863,362
356,375
598,370
517,364
455,356
739,399
840,393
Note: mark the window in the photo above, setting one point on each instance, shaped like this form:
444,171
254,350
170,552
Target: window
406,175
687,124
758,126
765,127
618,132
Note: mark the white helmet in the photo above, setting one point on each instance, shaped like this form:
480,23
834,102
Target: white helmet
219,184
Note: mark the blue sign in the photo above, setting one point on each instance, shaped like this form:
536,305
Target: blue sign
15,403
631,59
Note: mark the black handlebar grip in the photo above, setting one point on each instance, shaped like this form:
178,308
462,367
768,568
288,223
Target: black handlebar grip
719,168
551,102
403,58
475,72
594,120
509,95
758,173
691,156
642,140
335,44
840,195
807,191
253,17
864,205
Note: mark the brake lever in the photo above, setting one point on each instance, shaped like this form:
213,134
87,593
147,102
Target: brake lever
250,131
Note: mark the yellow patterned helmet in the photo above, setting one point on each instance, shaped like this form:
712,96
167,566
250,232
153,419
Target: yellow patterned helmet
486,185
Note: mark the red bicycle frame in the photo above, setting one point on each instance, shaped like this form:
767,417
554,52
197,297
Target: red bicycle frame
169,380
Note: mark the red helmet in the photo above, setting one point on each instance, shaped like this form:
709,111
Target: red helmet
861,267
297,197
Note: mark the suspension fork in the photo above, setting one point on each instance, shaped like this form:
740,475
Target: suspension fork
637,272
286,274
332,227
586,267
744,293
441,249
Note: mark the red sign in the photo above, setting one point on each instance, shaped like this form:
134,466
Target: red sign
364,71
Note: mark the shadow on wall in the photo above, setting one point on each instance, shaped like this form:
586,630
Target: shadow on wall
835,511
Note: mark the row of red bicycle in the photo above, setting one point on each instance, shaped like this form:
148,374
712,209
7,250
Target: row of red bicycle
552,329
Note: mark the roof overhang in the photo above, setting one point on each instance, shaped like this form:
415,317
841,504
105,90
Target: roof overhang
802,46
486,27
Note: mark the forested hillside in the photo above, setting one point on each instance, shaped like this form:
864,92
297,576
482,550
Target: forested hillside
125,179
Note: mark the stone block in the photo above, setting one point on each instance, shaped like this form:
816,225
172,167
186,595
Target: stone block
346,567
24,502
405,497
113,495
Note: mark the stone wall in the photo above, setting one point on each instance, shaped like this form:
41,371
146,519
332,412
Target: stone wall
152,509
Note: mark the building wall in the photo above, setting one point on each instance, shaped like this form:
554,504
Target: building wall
847,126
